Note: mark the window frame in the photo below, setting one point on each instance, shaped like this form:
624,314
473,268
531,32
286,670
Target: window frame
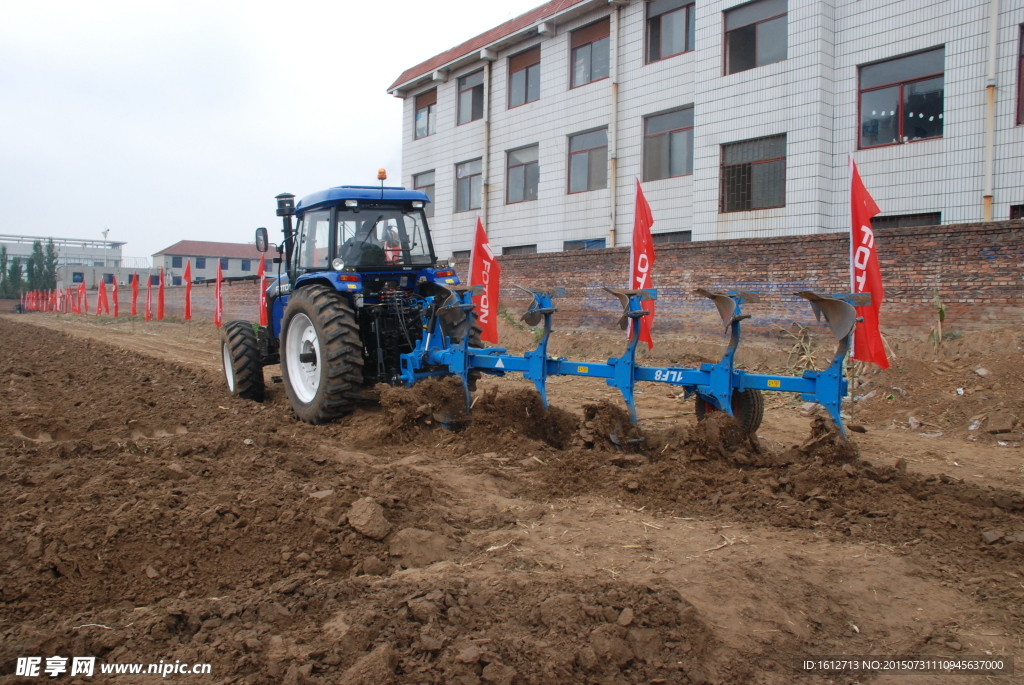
176,262
526,76
689,19
901,84
431,109
246,265
660,238
722,167
201,263
508,174
568,176
726,32
470,177
428,209
225,263
668,134
1018,210
573,48
459,90
176,280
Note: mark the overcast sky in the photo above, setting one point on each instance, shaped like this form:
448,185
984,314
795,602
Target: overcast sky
171,120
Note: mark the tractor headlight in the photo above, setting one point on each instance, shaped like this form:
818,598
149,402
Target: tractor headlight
338,264
417,204
351,203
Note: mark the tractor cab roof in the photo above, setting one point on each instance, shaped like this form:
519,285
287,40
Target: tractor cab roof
338,195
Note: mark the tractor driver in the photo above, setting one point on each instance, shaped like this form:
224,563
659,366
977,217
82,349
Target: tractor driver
364,248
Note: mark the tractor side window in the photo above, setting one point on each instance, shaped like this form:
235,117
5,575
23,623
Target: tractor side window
314,241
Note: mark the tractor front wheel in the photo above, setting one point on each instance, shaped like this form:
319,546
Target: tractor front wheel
747,409
240,357
321,354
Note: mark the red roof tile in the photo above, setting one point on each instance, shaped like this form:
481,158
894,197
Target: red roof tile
204,248
484,39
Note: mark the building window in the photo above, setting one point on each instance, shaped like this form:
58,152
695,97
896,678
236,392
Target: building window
177,280
1020,80
268,264
753,174
523,174
468,185
901,99
590,52
471,97
108,279
595,244
906,220
524,77
1016,212
175,262
426,114
519,249
425,184
461,256
669,28
77,277
200,262
246,265
131,277
668,144
225,263
755,35
154,279
588,161
672,237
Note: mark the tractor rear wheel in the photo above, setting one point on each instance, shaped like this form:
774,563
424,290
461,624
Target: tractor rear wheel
240,357
321,354
747,409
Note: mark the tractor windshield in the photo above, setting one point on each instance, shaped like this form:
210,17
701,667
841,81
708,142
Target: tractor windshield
382,236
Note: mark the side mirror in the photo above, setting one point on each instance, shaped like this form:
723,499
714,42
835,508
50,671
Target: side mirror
261,239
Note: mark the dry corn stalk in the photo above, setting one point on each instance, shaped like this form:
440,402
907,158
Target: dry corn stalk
802,350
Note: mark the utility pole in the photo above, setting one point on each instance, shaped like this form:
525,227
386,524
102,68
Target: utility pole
105,232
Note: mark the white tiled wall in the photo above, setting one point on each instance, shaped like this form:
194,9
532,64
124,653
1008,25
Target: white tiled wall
811,97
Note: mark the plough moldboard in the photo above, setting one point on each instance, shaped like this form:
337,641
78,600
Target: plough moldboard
719,386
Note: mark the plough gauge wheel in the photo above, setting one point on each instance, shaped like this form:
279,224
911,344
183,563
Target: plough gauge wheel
747,409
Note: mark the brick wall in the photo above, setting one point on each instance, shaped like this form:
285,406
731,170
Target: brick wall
977,269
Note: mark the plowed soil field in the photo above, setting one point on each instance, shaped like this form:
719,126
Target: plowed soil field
149,517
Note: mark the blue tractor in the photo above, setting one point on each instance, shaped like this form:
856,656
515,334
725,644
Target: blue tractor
356,278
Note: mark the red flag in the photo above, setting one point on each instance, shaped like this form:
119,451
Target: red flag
160,297
484,270
113,296
83,298
149,297
218,305
102,307
262,273
135,294
641,260
188,290
865,275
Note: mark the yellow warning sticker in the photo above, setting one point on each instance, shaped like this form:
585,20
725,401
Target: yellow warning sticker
352,286
774,384
449,280
581,369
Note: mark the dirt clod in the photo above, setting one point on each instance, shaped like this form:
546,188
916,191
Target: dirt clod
367,517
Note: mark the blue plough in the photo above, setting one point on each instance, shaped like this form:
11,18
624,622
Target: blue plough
719,386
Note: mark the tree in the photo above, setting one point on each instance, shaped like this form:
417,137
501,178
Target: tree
3,271
50,266
14,284
34,266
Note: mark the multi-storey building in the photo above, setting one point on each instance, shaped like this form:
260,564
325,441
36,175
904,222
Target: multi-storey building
736,117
